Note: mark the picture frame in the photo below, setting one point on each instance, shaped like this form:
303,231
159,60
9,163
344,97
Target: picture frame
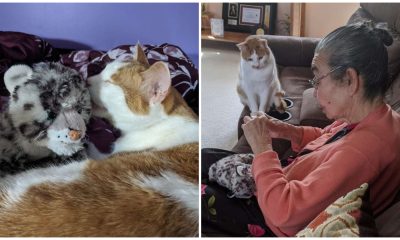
249,17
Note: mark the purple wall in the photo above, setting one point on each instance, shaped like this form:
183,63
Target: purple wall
106,25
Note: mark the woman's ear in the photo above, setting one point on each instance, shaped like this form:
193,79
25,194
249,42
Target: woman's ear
353,80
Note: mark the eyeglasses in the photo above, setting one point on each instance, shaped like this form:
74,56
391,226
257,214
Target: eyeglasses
315,81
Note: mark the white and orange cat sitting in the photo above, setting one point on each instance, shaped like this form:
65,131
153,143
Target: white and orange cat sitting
131,193
259,86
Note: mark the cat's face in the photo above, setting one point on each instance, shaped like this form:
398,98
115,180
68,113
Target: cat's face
135,87
255,52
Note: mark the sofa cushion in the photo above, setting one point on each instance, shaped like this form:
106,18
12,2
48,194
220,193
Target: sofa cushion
388,223
349,216
311,114
292,51
295,80
393,94
384,12
394,59
359,15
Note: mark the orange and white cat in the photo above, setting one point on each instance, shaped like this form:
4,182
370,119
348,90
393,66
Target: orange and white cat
259,86
131,193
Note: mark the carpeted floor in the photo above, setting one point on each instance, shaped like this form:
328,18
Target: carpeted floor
220,104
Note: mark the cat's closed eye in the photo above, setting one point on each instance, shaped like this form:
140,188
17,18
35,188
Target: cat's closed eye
248,59
259,58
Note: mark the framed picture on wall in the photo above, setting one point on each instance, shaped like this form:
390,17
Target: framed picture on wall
249,17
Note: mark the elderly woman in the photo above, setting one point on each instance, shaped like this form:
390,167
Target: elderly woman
361,146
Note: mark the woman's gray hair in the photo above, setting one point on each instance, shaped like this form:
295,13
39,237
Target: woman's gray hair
360,46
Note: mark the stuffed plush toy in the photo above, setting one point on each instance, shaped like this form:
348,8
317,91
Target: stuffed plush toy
234,173
45,117
68,129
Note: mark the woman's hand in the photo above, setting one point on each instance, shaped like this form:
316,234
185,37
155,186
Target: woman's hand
280,129
257,133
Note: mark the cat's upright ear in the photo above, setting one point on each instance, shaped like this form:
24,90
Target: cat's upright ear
241,45
140,56
17,75
264,41
156,82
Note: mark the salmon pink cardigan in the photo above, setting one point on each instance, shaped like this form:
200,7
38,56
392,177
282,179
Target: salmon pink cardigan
291,197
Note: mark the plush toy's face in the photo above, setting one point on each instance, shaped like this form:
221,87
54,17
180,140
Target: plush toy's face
39,96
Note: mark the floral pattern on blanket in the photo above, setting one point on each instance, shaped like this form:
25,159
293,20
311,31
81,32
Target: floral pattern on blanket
184,74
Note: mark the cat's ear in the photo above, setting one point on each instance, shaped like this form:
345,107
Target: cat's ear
156,82
264,41
241,45
140,56
17,75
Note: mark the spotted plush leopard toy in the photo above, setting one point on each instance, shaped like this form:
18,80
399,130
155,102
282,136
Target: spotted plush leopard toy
234,173
44,122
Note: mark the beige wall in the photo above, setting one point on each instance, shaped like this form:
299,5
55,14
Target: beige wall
322,18
215,9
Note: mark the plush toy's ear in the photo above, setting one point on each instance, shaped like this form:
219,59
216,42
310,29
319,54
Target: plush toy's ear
140,56
212,172
17,75
156,82
243,170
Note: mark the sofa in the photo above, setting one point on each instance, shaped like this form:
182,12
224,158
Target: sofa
294,56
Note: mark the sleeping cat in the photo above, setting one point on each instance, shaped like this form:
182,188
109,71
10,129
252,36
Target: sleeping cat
259,85
133,192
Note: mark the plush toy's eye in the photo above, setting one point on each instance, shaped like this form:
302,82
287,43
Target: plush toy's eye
51,115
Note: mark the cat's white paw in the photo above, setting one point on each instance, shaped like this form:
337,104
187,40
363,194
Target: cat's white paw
257,114
253,114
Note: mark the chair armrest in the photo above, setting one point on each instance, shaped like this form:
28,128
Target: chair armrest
310,113
292,51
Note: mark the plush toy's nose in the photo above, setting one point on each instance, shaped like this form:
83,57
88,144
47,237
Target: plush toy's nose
74,135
